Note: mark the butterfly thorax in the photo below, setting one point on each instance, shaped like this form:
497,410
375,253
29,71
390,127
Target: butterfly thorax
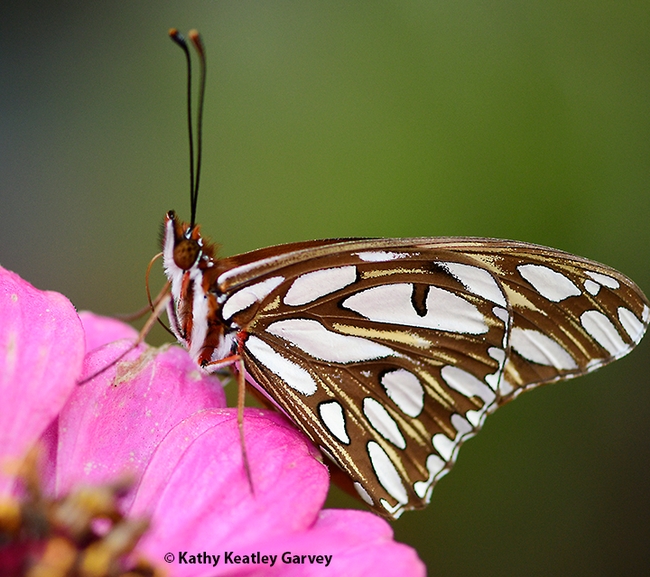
194,311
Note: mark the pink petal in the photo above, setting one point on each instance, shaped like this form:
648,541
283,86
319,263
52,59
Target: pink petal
48,443
198,495
110,427
41,354
103,330
357,542
98,330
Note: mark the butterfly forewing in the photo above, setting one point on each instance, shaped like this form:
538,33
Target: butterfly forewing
389,353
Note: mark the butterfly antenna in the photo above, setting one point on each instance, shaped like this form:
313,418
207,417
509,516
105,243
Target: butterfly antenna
179,39
200,50
195,175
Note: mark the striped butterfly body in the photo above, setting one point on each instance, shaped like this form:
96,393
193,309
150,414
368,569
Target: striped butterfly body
389,353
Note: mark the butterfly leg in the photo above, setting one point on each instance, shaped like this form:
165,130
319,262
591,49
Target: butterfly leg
238,361
241,395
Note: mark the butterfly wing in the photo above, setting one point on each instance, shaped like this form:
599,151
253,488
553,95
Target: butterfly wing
390,353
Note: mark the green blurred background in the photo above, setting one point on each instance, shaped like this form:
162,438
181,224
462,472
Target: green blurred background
524,120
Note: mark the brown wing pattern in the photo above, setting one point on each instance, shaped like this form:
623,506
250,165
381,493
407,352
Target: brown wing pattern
389,353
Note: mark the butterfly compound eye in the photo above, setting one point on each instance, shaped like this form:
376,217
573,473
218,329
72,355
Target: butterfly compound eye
185,253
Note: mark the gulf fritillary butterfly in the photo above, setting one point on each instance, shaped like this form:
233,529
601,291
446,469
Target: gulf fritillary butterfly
390,353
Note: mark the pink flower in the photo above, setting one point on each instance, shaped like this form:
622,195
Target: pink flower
164,422
41,356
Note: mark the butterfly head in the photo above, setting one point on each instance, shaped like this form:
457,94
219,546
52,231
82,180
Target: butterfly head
185,241
184,249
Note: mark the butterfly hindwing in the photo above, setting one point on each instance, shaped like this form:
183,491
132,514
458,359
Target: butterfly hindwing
389,353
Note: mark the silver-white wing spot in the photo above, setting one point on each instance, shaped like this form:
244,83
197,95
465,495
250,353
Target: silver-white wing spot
313,285
476,280
549,283
245,297
604,332
434,466
332,415
363,493
461,425
505,388
386,472
381,256
541,349
405,390
499,355
391,303
314,339
633,326
382,422
593,288
444,445
501,314
293,375
467,384
604,280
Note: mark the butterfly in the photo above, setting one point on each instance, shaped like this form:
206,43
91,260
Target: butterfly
390,353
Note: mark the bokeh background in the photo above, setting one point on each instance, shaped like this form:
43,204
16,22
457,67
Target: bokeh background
524,120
